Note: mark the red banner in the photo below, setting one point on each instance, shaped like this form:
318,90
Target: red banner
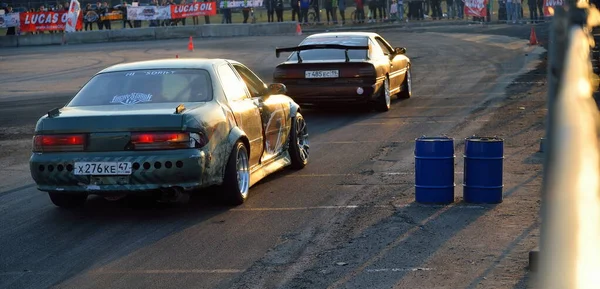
476,8
193,9
548,4
46,21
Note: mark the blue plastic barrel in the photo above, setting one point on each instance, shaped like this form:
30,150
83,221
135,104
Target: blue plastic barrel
483,161
434,170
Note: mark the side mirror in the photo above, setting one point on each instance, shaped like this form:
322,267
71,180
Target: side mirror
400,50
277,88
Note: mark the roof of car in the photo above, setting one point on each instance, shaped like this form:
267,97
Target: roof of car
348,34
174,63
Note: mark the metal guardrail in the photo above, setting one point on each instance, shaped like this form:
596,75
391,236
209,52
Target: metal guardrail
570,233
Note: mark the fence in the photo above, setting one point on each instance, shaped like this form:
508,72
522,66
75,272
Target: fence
570,233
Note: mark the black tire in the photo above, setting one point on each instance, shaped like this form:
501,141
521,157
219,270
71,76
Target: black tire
232,194
406,87
67,200
383,102
299,144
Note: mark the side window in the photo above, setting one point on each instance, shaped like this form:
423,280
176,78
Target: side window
234,90
376,51
387,50
256,86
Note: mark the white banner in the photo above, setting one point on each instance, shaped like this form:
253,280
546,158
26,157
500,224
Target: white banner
149,13
241,3
72,16
9,20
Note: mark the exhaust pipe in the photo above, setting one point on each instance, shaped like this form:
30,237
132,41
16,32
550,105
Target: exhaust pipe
174,195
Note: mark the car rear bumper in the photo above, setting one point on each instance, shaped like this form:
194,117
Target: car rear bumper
322,93
151,170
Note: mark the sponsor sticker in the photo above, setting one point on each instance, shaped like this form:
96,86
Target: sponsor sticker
132,98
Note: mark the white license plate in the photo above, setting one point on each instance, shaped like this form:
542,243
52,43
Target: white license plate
322,74
102,168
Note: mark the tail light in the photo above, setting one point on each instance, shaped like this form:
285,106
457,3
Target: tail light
279,73
367,72
166,140
59,143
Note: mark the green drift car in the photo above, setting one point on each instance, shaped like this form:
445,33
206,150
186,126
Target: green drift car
166,128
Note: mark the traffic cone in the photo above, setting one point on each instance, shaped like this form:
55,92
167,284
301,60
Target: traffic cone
176,55
191,44
298,29
532,37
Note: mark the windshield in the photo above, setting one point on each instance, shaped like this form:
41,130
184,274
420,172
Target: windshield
332,54
145,86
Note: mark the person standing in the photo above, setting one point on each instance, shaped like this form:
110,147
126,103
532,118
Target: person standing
105,17
270,5
315,5
206,17
342,8
436,10
304,6
124,11
295,9
533,15
246,11
509,11
372,10
450,9
279,10
516,10
381,7
328,10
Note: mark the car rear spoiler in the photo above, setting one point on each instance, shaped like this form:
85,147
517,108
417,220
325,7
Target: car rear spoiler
319,46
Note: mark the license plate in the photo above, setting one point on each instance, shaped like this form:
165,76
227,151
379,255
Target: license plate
322,74
103,168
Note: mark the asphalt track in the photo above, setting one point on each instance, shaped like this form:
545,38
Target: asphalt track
360,167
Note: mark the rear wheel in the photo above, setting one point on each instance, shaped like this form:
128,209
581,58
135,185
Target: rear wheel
67,200
383,102
236,183
406,88
299,144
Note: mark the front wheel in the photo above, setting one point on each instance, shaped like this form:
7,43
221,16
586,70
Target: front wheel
67,200
236,183
299,144
406,88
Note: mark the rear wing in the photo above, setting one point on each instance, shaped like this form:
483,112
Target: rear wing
297,49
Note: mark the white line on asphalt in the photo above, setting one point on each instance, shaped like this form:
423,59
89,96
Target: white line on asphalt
169,271
398,270
400,206
418,122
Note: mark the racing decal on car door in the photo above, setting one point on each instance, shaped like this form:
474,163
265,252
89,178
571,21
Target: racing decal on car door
275,132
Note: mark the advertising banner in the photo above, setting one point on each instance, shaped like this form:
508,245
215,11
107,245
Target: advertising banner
476,8
193,9
46,21
549,6
9,20
148,13
241,3
72,16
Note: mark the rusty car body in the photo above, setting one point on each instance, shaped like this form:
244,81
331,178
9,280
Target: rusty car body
344,68
167,128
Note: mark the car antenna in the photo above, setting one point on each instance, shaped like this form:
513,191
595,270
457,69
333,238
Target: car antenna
346,54
298,55
179,108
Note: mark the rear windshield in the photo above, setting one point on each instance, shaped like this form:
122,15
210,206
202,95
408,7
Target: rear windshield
332,54
145,86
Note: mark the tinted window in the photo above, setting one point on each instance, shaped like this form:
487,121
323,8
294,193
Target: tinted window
145,86
332,54
233,87
256,86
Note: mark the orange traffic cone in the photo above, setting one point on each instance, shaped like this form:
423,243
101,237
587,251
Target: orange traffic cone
191,44
176,55
532,37
298,29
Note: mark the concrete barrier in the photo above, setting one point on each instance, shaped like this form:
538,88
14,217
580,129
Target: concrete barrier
151,33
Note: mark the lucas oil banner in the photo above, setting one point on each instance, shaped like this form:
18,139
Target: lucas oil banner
46,21
193,9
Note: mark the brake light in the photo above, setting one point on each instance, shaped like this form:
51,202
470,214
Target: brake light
59,143
161,140
366,72
279,73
